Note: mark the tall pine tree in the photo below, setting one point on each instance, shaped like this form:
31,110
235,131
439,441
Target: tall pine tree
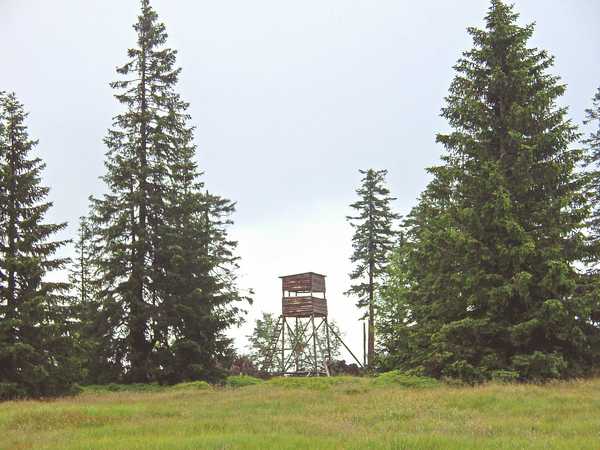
127,217
82,272
167,268
372,242
201,298
391,316
93,325
37,356
592,143
494,243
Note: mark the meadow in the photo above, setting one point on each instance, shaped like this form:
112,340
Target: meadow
300,413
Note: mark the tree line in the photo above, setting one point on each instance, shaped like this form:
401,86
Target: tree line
492,275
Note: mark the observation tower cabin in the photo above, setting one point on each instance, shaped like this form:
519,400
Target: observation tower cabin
303,295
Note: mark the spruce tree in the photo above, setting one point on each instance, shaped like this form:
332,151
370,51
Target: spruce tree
494,242
82,272
592,143
166,266
201,297
93,325
372,242
37,355
127,218
391,312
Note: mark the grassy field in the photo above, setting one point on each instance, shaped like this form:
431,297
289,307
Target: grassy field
337,413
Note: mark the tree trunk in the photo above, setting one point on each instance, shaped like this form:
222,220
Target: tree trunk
371,340
137,324
11,300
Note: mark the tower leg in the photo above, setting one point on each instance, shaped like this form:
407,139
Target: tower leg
346,347
314,338
328,341
283,345
296,343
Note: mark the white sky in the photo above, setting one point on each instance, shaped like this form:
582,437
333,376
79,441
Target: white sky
289,99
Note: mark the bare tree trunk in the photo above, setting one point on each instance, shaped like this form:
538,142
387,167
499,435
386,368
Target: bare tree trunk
371,342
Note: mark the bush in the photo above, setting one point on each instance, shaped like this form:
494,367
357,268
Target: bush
539,366
315,383
10,391
398,378
191,385
243,365
114,387
237,381
464,371
504,376
343,368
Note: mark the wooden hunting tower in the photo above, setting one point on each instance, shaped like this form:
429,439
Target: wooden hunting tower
301,340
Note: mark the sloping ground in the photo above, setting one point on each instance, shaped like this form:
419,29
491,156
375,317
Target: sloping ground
345,413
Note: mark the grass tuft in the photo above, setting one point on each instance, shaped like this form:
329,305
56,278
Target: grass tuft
195,385
114,387
237,381
398,378
314,383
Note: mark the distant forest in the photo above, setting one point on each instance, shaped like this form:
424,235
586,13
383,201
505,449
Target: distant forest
493,275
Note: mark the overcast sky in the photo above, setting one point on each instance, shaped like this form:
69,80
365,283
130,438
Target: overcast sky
289,99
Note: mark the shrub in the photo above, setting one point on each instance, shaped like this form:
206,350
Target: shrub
243,365
191,385
539,365
9,391
237,381
398,378
504,376
114,387
316,383
343,368
464,371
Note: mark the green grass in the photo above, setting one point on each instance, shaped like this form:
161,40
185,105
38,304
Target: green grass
193,385
300,413
237,381
397,378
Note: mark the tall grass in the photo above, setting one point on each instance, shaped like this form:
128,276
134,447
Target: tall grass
337,413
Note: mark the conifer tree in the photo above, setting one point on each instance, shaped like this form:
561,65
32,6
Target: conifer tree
494,242
82,273
391,313
592,144
37,355
127,218
201,297
93,325
167,268
372,242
